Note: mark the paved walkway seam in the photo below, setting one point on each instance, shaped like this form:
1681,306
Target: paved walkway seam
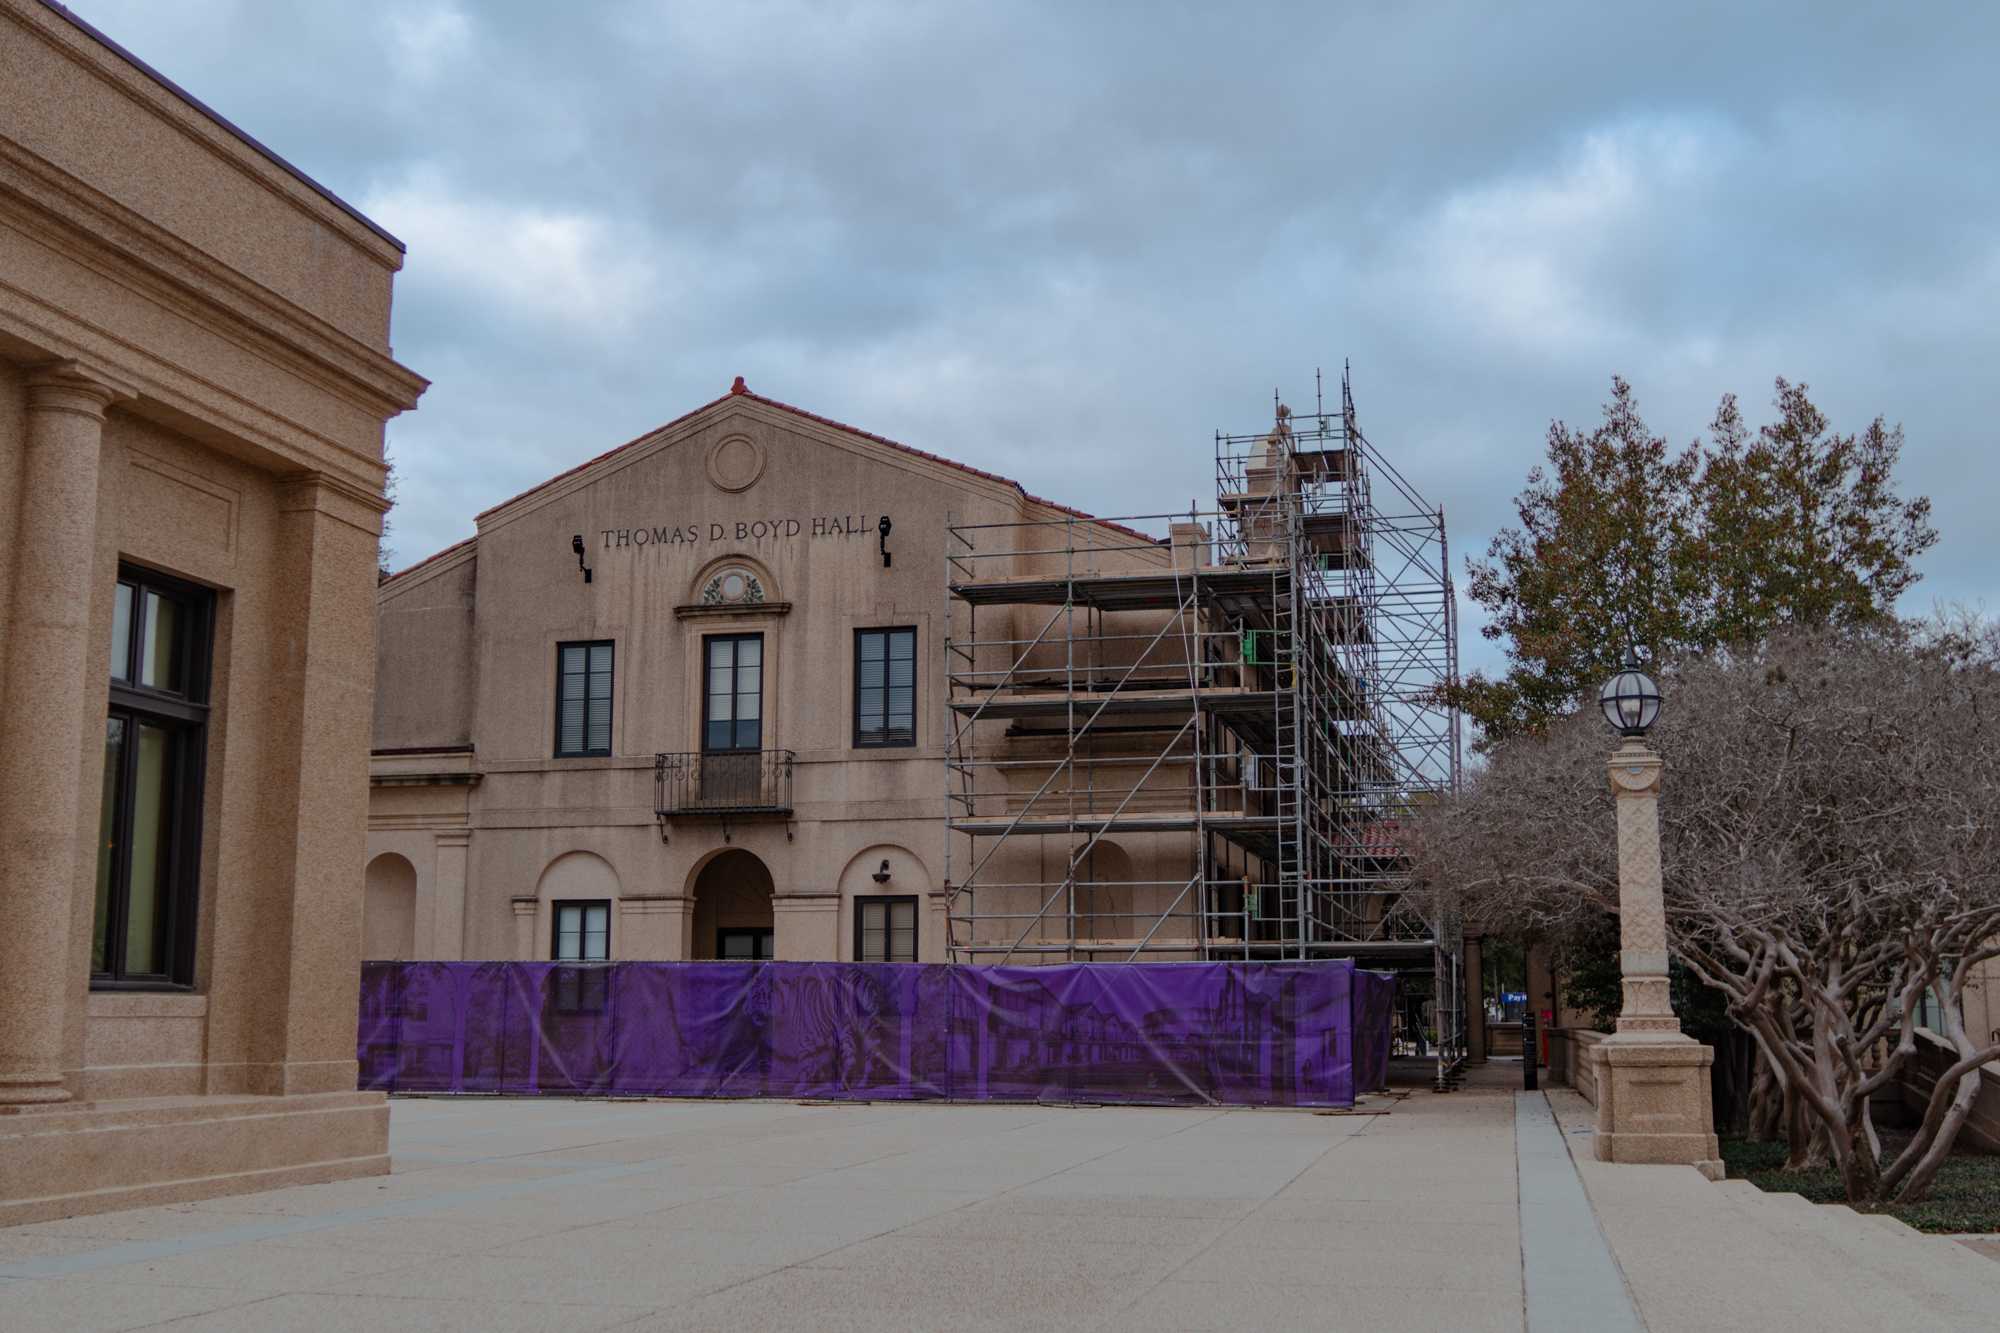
1571,1279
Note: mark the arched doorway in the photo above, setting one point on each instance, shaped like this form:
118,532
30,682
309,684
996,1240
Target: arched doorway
389,910
1106,895
732,909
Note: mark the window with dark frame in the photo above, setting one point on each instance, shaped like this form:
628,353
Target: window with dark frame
577,989
732,708
583,699
155,742
885,687
745,944
582,932
885,930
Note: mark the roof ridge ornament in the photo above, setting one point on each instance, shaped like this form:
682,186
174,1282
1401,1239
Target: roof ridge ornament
739,387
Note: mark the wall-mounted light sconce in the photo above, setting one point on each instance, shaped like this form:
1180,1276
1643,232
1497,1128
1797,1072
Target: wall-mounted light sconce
576,544
882,876
882,526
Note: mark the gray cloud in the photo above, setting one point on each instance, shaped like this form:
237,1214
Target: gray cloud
1067,242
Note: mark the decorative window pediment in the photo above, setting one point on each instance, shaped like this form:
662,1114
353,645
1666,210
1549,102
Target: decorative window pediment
734,589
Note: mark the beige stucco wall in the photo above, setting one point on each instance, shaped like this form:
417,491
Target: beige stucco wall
194,345
428,666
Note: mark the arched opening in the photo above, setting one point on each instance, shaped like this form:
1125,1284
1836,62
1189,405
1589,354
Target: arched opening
734,580
732,909
1106,896
389,910
579,905
885,893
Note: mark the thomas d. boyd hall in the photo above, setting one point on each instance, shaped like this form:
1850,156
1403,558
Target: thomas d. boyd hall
677,703
761,685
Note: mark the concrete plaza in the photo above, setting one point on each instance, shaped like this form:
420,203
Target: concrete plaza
669,1215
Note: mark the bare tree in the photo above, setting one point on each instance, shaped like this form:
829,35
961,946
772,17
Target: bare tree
1830,830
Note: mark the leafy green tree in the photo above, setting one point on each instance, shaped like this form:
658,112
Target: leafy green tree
385,554
1802,526
1623,539
1602,558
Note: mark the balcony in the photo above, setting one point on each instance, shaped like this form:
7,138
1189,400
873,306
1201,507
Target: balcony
729,785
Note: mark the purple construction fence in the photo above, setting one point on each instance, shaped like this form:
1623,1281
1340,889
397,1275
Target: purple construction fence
1257,1034
1373,1002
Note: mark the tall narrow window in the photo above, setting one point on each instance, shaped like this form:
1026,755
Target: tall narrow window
155,738
885,687
885,930
583,932
732,713
583,699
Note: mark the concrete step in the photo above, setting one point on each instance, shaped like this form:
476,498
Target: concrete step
1880,1229
1935,1276
1954,1250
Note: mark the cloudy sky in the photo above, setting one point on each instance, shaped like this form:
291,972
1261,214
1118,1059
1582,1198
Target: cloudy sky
1068,241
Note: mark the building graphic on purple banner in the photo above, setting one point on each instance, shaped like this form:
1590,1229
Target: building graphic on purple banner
1276,1034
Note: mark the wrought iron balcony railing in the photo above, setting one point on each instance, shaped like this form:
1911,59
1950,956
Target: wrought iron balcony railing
692,784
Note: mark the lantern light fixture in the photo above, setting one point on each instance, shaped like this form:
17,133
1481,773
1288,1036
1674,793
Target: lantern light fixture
1630,699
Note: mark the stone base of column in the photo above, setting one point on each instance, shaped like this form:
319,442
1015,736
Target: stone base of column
91,1157
1653,1103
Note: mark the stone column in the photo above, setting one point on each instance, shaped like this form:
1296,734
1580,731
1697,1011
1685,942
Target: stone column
934,938
527,912
649,927
679,929
807,926
49,705
1642,918
448,895
1653,1080
322,682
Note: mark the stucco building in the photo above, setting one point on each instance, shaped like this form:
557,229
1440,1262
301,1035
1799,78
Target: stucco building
758,684
680,702
194,376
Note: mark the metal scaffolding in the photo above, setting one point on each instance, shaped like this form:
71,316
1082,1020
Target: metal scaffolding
1201,745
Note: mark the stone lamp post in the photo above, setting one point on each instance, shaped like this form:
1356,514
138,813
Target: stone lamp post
1652,1079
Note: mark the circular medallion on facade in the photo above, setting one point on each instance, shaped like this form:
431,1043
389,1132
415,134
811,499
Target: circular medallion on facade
735,462
733,585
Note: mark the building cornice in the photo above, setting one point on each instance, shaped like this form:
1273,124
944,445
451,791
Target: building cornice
424,779
731,610
451,557
440,826
314,490
201,124
90,228
795,422
182,400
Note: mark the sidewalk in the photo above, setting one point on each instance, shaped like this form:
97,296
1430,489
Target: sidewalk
1698,1255
679,1215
